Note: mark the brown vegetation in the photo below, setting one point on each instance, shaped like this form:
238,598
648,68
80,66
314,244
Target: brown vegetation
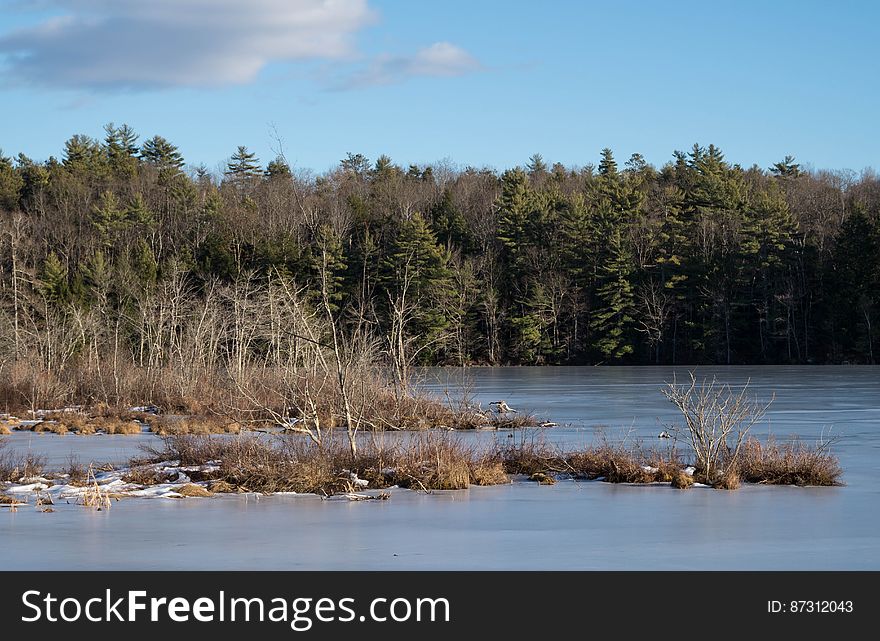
192,490
14,467
425,461
681,480
793,463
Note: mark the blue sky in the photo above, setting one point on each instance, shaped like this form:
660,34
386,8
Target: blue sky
480,82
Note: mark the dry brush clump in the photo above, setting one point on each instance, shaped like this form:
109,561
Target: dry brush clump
791,463
15,467
294,464
611,462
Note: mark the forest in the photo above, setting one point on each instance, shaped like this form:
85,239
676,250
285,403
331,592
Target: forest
120,255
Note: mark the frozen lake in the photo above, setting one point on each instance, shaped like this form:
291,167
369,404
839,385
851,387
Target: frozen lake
572,525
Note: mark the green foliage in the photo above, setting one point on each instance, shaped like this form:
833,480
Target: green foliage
11,184
416,279
242,165
698,261
278,168
53,282
164,156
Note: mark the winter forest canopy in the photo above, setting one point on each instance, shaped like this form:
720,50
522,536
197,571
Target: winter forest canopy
698,261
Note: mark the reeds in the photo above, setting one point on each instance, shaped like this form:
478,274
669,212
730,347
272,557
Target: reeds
15,467
93,495
790,463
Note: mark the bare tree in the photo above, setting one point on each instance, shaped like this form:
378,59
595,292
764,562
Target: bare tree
717,421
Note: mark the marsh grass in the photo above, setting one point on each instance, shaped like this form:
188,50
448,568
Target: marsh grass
76,472
192,490
681,480
790,463
15,467
426,461
94,495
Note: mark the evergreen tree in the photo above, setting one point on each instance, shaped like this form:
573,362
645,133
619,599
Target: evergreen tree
787,168
611,322
449,224
330,266
416,278
514,205
84,154
108,218
278,168
11,184
120,144
53,282
242,165
537,168
607,166
162,154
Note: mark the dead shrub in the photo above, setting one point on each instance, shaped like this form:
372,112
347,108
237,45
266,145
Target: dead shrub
14,467
75,471
717,421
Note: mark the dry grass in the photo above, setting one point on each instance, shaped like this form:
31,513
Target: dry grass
221,487
76,472
199,425
4,430
543,479
192,490
793,463
727,480
489,471
146,475
614,463
94,496
430,461
294,464
14,467
682,480
532,456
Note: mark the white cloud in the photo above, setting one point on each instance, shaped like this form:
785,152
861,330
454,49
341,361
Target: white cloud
142,44
441,59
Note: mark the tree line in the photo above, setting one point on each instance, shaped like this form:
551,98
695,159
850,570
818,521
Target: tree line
697,261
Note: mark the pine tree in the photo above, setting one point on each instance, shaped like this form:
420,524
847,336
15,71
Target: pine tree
513,206
330,265
120,145
108,218
278,168
607,166
537,168
786,168
53,282
611,323
162,154
242,165
138,215
11,184
84,154
416,279
449,224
